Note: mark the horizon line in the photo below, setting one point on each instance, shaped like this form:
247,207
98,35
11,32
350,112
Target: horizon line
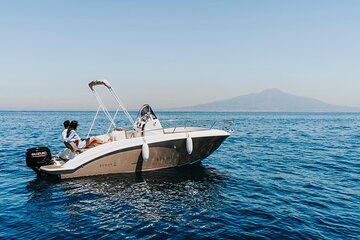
173,111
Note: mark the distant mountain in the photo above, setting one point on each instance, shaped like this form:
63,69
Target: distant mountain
270,100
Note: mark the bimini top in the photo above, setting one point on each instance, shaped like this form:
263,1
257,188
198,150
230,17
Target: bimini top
146,110
99,82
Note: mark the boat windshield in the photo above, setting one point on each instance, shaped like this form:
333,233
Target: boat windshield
146,110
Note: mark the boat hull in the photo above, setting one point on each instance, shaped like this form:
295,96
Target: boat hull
162,155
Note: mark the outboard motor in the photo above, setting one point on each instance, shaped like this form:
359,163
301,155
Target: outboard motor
37,157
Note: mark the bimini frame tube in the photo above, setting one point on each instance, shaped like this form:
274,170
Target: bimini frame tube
102,105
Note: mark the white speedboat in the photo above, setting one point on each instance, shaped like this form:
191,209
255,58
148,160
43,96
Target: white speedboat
146,147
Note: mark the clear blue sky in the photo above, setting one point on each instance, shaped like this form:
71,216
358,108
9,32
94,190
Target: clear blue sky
177,53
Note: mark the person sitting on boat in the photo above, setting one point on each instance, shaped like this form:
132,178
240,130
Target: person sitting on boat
66,126
72,136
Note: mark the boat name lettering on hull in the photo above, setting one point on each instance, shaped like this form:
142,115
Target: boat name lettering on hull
113,164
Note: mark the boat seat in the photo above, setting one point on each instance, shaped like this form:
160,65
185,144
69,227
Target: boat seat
72,146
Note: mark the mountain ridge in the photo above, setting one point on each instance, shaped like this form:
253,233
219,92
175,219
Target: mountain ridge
268,100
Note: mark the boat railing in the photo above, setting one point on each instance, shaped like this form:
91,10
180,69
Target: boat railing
184,128
226,125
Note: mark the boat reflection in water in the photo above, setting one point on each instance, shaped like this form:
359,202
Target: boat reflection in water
124,201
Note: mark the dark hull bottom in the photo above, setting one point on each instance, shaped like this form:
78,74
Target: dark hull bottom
162,155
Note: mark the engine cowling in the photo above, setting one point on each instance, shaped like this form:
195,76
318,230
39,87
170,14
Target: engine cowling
37,157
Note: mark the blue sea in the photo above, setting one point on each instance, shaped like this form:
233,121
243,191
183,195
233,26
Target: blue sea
279,176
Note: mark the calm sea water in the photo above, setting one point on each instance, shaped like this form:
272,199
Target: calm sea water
279,176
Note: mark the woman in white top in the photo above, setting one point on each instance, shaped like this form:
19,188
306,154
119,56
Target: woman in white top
72,136
66,126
